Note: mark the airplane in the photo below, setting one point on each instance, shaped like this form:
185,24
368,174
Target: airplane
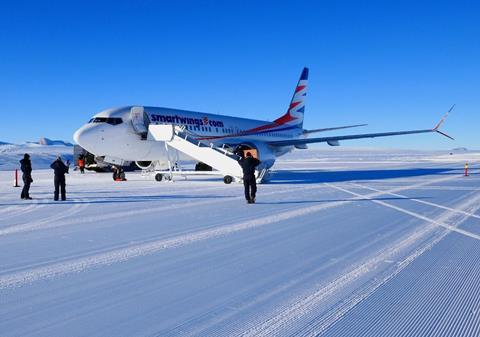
148,135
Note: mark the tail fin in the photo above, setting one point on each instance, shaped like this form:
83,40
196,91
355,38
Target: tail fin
296,109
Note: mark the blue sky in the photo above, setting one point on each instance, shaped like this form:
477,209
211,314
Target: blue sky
394,65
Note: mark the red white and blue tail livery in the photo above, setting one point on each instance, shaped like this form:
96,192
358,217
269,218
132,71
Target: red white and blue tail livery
296,109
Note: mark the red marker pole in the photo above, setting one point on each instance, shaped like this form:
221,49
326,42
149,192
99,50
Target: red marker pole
466,169
15,181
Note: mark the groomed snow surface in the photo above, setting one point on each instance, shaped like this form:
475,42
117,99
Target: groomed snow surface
345,243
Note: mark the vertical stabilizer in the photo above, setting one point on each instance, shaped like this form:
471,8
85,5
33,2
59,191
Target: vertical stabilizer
296,109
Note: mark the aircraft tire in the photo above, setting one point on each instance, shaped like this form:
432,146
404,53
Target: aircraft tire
227,179
158,177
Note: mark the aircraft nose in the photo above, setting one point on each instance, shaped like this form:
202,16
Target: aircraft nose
77,136
86,137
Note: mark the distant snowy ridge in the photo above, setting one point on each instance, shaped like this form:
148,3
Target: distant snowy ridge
46,150
47,141
41,155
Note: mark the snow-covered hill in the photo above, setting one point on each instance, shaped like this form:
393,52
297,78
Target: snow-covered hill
41,155
47,141
46,150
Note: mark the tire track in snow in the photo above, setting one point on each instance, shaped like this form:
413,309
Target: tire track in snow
417,215
39,224
137,250
421,201
146,248
42,224
300,307
197,326
438,309
47,223
470,205
51,219
12,211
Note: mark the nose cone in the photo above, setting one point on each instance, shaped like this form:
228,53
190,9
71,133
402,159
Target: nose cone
77,136
86,137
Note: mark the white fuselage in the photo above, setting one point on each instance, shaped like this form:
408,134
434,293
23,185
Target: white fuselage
111,133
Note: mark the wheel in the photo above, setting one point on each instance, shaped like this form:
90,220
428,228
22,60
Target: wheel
158,177
227,179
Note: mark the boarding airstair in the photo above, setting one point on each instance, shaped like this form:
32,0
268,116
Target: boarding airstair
218,158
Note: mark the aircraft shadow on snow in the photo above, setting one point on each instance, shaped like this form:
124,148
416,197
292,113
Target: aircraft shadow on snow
315,176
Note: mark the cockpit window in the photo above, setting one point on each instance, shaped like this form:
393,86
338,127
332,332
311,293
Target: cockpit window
114,120
109,120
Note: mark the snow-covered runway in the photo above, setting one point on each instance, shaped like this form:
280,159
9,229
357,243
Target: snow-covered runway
343,244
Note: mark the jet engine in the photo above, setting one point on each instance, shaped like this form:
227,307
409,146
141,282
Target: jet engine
152,165
145,165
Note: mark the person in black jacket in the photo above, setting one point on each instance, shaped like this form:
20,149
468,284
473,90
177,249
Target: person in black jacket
60,169
26,167
248,165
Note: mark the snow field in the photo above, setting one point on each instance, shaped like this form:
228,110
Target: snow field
190,258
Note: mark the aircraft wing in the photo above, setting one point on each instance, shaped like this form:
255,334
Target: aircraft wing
331,129
333,140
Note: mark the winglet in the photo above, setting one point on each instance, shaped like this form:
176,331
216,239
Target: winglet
437,127
444,134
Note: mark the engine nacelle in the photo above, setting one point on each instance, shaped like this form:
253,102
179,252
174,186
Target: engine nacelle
152,165
265,153
144,165
267,157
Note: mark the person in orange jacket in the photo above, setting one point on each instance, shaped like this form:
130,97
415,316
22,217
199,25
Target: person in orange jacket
81,164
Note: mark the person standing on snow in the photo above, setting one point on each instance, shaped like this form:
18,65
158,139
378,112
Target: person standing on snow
60,169
81,164
26,167
248,165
